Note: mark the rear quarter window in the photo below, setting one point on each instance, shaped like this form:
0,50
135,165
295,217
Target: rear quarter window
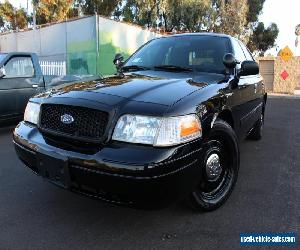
247,53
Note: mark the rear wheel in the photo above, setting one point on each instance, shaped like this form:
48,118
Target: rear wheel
219,165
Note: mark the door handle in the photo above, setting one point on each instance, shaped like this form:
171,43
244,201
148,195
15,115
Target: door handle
35,86
255,88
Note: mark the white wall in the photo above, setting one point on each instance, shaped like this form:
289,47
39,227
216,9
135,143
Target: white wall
86,45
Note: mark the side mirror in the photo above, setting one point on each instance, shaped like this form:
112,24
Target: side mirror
229,61
249,68
2,72
118,61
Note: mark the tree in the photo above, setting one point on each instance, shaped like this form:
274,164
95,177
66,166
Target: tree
6,15
243,23
53,10
21,19
238,18
263,38
103,7
255,8
12,18
141,12
233,22
194,15
133,12
171,15
188,15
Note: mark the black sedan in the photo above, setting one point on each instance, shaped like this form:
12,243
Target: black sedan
164,128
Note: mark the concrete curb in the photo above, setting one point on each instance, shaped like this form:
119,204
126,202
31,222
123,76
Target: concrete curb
274,95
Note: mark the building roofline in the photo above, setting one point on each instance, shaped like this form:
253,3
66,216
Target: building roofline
72,20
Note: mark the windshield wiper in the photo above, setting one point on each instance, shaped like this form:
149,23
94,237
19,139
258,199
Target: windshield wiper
173,68
134,67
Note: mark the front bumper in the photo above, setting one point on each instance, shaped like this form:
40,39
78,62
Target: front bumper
131,175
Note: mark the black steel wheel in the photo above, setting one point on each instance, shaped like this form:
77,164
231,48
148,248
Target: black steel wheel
219,168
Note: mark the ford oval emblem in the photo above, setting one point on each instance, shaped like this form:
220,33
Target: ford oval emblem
67,119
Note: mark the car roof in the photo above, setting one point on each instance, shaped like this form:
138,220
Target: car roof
202,34
17,53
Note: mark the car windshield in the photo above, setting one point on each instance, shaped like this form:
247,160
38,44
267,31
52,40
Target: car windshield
2,56
201,53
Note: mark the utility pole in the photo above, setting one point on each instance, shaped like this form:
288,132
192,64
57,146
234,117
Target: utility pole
35,4
79,10
15,19
34,17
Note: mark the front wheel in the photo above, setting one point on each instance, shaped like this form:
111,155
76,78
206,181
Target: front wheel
219,168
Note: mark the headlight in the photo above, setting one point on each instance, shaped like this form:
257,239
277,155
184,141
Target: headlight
136,129
32,112
157,131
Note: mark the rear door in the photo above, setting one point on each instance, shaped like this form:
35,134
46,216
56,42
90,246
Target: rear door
19,84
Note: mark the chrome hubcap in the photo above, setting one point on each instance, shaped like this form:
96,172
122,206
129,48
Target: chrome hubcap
213,167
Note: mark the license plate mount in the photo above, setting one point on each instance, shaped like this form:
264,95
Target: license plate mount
55,170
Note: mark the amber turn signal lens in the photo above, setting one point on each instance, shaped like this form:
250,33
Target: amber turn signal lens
189,127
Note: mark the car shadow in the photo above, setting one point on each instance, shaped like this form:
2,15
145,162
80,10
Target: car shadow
7,127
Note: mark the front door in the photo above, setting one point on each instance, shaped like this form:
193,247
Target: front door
243,102
248,88
17,86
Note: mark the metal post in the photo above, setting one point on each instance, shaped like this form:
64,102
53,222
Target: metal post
15,18
97,45
34,16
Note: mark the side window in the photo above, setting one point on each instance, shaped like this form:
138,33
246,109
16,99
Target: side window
19,66
238,52
248,55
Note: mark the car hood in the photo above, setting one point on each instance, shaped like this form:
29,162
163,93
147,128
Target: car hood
150,87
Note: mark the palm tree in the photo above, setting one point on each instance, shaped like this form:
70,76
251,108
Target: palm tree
12,18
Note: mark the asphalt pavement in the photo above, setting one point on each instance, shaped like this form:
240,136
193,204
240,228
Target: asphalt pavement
34,214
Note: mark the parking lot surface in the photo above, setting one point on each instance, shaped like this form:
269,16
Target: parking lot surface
34,214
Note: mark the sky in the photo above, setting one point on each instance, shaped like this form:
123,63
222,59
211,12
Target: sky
286,14
18,3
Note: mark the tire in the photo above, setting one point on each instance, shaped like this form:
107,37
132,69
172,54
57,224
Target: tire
217,180
256,132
